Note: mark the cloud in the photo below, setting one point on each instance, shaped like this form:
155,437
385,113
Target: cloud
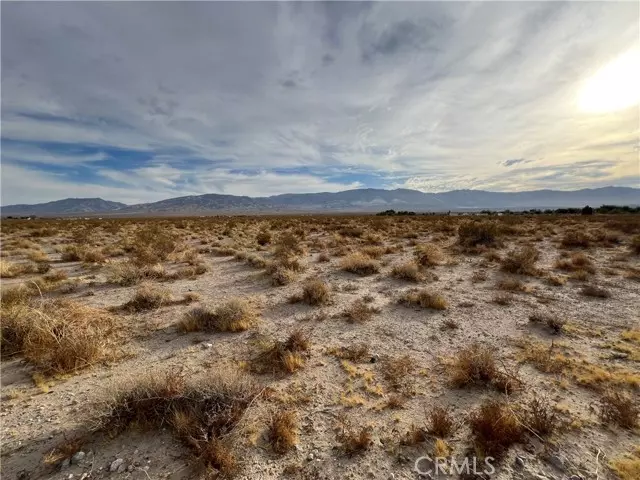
439,92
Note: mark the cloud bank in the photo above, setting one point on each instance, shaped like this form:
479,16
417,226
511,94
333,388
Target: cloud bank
140,101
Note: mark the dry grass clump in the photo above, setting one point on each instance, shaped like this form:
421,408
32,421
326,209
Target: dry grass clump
511,285
373,252
627,467
283,431
553,322
263,237
355,440
634,245
148,297
619,408
440,422
502,299
495,427
282,276
541,417
236,315
428,255
397,372
354,353
314,292
152,244
522,261
359,312
283,356
407,271
575,239
360,264
38,256
544,358
58,336
203,412
477,233
12,270
578,262
593,291
288,245
477,365
424,298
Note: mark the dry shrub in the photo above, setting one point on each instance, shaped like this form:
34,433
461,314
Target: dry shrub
58,336
12,270
428,254
152,244
323,257
263,237
495,427
511,285
634,245
477,365
236,315
360,264
407,271
554,323
593,291
424,298
545,359
288,245
314,292
282,276
359,312
397,372
283,356
476,233
355,353
619,408
38,256
541,417
502,299
65,449
124,274
373,252
148,297
575,239
440,422
522,261
353,440
627,467
578,262
283,431
203,412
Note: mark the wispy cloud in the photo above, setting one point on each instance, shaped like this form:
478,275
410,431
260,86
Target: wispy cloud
145,100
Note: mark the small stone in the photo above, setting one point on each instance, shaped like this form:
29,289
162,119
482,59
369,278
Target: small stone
121,468
206,346
310,457
77,457
116,464
519,462
391,477
130,468
65,463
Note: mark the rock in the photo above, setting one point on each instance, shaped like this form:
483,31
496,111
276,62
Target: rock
130,468
116,464
310,457
65,463
391,477
557,461
78,457
519,462
121,468
575,477
206,346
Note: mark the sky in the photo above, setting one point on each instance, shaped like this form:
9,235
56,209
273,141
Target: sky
143,101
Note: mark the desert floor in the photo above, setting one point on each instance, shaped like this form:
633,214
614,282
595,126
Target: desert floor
337,347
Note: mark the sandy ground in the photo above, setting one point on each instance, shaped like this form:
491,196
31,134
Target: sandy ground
35,419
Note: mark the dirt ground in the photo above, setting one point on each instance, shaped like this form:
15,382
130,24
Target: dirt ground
598,342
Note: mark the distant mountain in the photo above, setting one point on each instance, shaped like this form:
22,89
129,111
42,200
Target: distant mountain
361,200
64,207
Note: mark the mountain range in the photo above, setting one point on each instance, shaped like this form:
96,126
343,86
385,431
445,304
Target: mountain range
359,200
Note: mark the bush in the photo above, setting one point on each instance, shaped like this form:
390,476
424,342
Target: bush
407,271
522,261
619,408
575,239
473,233
263,237
476,365
359,264
283,356
147,297
234,316
425,299
58,336
315,292
283,431
202,412
495,427
152,244
428,255
359,312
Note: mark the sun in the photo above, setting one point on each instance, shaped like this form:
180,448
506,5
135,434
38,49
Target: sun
614,87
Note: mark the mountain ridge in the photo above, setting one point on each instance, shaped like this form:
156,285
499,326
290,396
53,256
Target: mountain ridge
354,200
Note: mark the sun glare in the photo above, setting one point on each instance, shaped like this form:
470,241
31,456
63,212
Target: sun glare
614,87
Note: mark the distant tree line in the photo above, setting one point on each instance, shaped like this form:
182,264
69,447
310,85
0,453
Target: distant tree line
586,210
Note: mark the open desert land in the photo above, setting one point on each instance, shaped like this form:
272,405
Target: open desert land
321,347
